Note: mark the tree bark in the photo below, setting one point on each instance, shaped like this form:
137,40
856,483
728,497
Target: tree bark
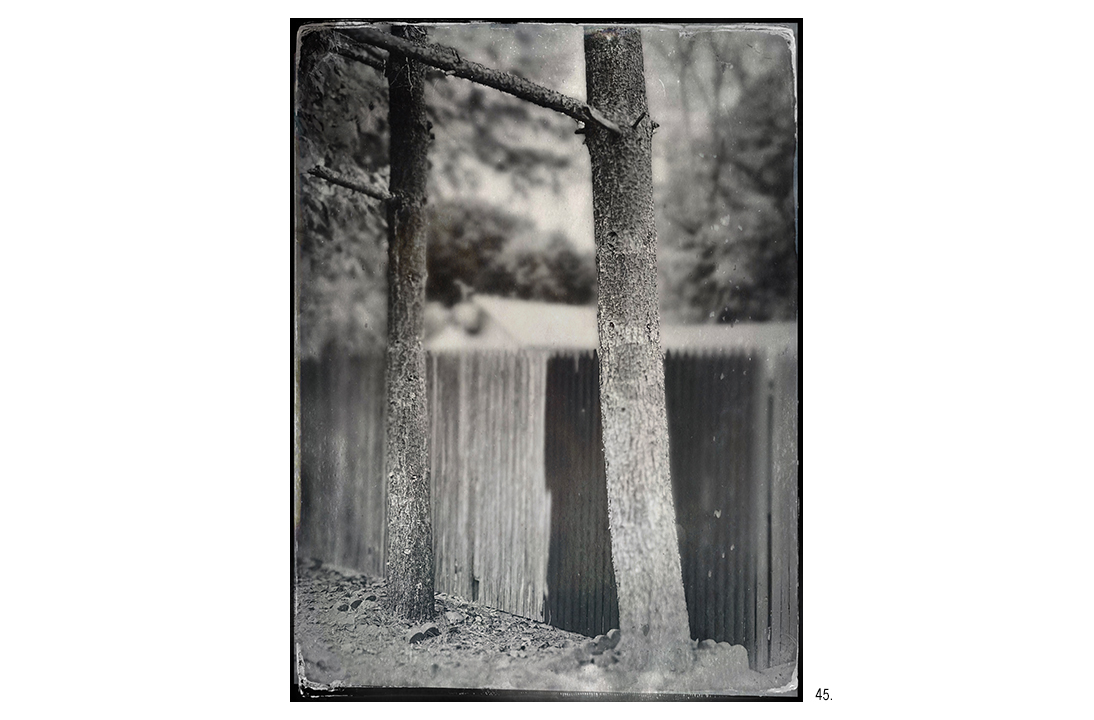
410,532
645,552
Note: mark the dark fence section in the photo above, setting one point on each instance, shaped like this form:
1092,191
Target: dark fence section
733,449
581,582
342,461
711,408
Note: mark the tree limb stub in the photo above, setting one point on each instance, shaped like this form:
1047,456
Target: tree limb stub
365,189
449,60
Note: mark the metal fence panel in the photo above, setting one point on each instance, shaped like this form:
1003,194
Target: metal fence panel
580,579
343,497
491,505
519,495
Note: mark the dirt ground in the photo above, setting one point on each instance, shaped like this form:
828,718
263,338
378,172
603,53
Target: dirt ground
346,640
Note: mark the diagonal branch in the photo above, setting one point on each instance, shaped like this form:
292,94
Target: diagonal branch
355,54
360,53
450,61
364,188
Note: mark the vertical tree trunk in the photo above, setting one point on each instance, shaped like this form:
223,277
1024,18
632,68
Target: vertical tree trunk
645,553
410,532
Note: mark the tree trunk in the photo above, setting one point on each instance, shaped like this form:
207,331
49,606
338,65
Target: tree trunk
645,552
410,532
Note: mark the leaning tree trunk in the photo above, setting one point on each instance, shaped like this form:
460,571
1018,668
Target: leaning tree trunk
652,611
410,532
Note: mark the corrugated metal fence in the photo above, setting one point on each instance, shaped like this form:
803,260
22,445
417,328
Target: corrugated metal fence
711,407
580,578
491,506
733,449
343,498
519,499
783,635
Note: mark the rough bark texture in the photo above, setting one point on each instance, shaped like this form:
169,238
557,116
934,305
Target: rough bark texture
645,552
410,532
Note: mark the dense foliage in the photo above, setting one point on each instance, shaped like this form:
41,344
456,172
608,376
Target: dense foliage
728,209
490,251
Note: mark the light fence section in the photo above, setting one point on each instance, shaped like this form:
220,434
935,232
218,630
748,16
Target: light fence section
785,511
491,505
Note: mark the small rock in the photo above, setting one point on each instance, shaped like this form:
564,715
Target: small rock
453,617
607,642
371,598
417,634
708,645
591,647
737,654
355,604
343,607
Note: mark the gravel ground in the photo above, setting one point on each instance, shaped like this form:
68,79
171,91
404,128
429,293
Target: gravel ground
346,639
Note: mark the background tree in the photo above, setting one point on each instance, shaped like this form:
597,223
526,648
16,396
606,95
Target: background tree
653,613
727,210
493,252
341,123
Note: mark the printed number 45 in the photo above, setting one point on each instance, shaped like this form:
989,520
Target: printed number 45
823,694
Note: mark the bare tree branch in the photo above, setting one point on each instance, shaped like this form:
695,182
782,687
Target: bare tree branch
372,191
449,60
355,54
